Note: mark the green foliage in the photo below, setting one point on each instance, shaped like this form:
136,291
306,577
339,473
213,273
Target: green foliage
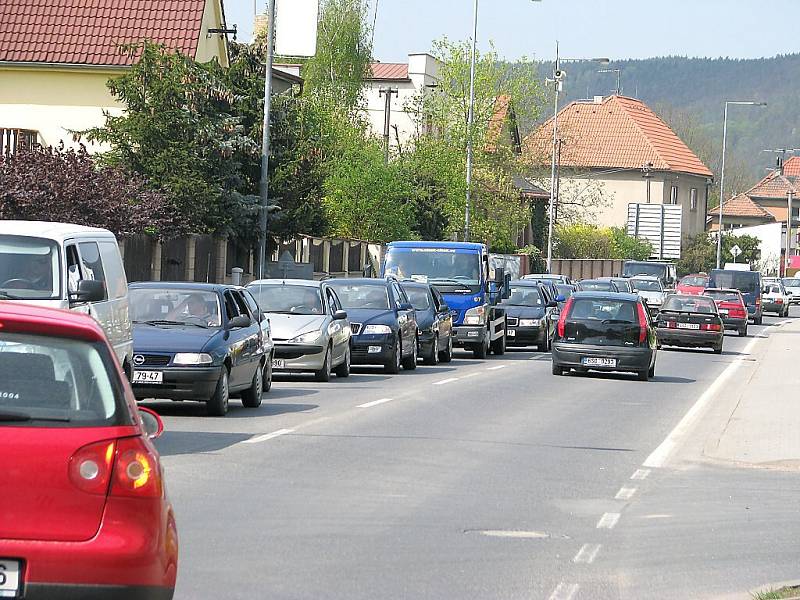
537,262
582,240
700,252
628,247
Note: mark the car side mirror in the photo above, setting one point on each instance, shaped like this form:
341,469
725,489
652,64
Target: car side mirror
405,306
445,308
552,304
89,290
152,423
339,315
239,322
500,276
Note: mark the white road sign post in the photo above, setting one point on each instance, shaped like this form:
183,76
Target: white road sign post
735,251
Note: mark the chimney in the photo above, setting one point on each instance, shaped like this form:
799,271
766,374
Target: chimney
598,99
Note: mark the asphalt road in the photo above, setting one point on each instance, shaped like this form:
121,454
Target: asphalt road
477,479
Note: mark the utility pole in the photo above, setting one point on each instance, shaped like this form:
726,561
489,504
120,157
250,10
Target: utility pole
787,262
388,92
264,182
471,118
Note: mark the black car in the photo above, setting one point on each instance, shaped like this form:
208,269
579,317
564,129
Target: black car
690,321
199,341
598,285
382,320
434,322
528,311
604,331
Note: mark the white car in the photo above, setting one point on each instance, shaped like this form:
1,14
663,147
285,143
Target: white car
774,299
650,290
792,287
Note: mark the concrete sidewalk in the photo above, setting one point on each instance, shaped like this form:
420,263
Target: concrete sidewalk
755,418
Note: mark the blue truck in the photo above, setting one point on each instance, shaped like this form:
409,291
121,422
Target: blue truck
460,271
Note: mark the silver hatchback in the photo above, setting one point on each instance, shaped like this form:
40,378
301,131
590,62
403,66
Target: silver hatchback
310,330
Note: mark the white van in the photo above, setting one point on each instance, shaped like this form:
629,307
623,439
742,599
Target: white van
70,267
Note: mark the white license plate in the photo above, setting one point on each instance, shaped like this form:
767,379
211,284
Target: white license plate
278,363
688,325
591,361
723,311
9,578
511,333
148,377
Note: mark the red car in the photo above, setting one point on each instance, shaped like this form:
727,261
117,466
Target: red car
692,285
732,308
83,509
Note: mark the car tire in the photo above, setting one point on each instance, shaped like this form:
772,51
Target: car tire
742,331
498,346
758,320
652,372
557,370
217,405
343,370
251,397
267,386
392,367
410,363
718,349
324,374
643,375
433,357
446,355
481,351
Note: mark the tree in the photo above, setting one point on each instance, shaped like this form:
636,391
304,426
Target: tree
700,252
581,240
54,184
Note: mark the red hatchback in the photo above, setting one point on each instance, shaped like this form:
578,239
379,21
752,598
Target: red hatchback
731,307
83,510
692,285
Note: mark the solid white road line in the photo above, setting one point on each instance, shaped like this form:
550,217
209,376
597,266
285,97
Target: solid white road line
608,521
564,591
625,493
497,368
587,554
640,474
445,381
660,455
268,436
375,403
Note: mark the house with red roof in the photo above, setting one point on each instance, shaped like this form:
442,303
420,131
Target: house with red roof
57,55
620,151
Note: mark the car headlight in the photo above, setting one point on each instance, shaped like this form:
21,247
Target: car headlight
191,358
475,316
529,322
377,330
307,338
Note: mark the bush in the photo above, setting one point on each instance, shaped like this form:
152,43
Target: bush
590,241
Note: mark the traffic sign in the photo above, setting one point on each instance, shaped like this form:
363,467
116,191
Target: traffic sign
736,251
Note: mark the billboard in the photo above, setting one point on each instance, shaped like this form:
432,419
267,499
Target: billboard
296,27
659,224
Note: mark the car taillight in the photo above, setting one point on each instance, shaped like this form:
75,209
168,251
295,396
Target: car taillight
642,322
758,300
90,467
562,320
709,326
136,471
672,325
779,301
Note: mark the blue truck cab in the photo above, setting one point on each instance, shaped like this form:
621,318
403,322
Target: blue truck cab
460,271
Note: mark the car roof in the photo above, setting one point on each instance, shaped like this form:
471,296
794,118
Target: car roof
361,281
410,283
528,282
50,230
297,282
728,290
646,277
592,295
447,245
184,285
19,317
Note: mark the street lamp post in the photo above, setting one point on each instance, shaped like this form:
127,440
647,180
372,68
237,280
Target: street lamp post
265,140
722,174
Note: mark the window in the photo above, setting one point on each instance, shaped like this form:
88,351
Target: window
29,268
252,305
693,199
117,283
15,140
241,304
92,263
231,308
295,299
174,306
332,306
673,194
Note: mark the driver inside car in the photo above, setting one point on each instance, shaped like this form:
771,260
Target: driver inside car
37,274
197,308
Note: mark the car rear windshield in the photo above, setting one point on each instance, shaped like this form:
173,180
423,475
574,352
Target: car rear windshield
363,296
565,290
656,270
293,299
696,304
47,381
646,285
598,286
694,281
597,309
524,296
744,281
791,282
420,299
724,296
29,268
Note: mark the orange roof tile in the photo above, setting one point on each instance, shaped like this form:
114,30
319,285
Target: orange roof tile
774,185
741,206
792,166
388,71
619,133
89,32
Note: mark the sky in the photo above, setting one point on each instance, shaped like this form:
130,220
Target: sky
617,29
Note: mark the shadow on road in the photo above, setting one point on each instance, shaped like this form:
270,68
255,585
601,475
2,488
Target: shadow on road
174,443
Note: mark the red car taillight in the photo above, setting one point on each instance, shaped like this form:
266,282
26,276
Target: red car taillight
90,467
562,320
709,326
136,471
642,323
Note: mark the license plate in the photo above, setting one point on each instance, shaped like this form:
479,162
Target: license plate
723,311
278,363
9,578
688,325
591,361
148,377
511,333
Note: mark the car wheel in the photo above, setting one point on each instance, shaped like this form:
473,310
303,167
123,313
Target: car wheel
557,370
267,386
482,350
433,357
758,320
343,370
499,345
718,349
446,355
743,331
217,405
643,375
251,397
324,374
652,372
392,367
410,363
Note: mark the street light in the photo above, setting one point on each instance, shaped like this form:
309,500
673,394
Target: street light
722,174
471,117
558,84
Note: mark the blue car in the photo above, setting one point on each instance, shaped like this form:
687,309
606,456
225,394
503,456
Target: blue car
202,342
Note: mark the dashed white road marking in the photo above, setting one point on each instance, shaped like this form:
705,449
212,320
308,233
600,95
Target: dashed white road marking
656,517
524,535
587,553
564,591
445,381
469,375
375,403
608,521
497,368
268,436
625,493
660,455
640,474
